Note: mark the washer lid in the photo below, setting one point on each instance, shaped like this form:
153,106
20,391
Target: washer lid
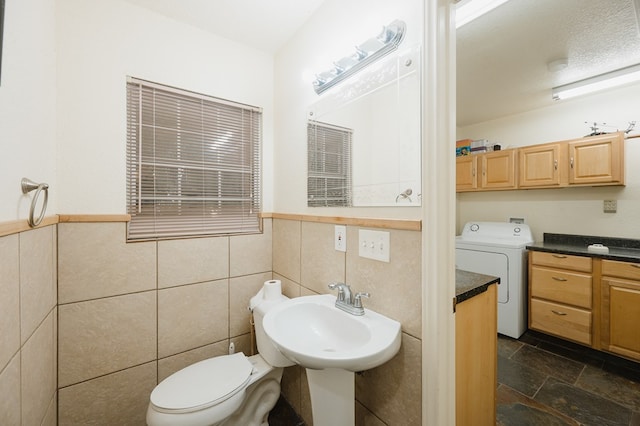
203,384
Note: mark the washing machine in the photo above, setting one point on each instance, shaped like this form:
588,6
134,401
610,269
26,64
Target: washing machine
499,249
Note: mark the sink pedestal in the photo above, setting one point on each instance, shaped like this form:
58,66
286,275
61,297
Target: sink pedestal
332,396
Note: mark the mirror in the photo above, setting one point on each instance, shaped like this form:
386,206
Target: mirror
379,110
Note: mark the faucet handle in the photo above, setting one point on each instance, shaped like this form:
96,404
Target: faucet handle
340,287
357,303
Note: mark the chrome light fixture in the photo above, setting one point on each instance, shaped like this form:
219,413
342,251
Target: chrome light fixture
468,10
371,50
600,82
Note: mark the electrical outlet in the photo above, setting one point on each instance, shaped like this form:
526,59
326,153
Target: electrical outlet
610,206
374,245
340,240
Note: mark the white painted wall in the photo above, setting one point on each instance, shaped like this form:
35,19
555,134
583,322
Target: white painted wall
27,105
569,210
99,43
330,34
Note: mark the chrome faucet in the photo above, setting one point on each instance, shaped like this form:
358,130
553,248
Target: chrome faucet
346,301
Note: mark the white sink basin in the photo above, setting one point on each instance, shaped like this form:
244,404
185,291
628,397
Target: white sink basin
313,333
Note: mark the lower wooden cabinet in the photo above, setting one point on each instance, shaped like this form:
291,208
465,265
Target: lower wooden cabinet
476,359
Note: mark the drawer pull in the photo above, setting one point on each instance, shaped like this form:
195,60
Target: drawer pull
559,256
559,278
635,265
559,313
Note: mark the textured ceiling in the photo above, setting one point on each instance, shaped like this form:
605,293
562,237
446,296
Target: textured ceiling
502,57
263,24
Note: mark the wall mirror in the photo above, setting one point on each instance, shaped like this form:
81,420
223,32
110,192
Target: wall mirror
505,58
378,112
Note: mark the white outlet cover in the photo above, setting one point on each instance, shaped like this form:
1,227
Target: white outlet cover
374,245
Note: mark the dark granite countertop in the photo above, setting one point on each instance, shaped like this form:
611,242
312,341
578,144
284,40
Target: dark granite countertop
469,284
623,249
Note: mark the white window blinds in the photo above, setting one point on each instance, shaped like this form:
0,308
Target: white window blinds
193,164
329,165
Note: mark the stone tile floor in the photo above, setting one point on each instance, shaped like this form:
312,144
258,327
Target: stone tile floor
544,381
547,381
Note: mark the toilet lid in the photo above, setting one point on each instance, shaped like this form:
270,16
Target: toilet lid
203,384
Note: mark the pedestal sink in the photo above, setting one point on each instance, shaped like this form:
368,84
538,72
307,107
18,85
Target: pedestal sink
331,344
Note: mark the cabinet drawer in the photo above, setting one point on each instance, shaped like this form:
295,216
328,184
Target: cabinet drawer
572,288
564,261
561,320
621,269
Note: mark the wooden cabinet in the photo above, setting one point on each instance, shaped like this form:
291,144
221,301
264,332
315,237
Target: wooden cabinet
590,161
561,296
466,173
620,308
498,170
476,359
542,166
597,160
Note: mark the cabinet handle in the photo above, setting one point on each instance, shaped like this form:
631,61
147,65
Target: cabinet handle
559,278
555,164
473,172
559,313
559,256
571,162
635,265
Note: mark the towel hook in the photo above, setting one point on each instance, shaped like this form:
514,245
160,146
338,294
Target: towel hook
28,186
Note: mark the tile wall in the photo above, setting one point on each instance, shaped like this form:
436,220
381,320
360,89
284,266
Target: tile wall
305,260
28,328
132,314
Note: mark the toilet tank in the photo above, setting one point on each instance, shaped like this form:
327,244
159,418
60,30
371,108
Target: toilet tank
266,349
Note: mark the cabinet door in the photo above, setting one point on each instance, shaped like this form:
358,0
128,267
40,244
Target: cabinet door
541,165
621,316
499,170
466,173
597,160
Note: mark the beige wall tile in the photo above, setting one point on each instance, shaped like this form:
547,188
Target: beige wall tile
395,286
105,335
95,261
251,254
289,288
286,248
168,366
9,298
37,281
120,399
242,289
244,344
51,418
38,373
290,386
365,417
192,261
393,391
10,391
321,262
191,316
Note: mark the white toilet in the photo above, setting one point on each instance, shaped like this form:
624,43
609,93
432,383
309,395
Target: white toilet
225,390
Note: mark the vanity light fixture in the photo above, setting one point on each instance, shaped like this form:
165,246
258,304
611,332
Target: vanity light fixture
371,50
468,10
600,82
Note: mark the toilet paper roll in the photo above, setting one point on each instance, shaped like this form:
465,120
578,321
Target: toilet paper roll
271,291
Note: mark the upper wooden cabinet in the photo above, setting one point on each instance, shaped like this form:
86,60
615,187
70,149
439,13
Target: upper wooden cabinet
542,166
590,161
498,170
597,160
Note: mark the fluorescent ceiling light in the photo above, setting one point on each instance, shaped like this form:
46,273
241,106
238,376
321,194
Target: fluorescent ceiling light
468,10
600,82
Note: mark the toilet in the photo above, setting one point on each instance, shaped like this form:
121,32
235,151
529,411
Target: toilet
225,390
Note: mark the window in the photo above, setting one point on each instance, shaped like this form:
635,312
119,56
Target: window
193,164
329,164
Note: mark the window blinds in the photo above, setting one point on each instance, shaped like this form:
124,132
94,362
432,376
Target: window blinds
329,165
193,164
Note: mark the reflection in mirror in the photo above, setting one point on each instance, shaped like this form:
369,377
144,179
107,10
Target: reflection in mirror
380,110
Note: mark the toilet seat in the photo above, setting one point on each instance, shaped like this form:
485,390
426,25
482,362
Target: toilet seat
203,384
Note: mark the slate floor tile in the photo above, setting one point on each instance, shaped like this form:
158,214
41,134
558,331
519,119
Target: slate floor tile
549,363
587,408
611,386
520,377
508,346
516,409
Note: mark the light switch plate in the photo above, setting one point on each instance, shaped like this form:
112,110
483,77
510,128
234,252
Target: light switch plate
340,240
374,245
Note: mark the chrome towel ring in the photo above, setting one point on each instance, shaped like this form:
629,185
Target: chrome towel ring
28,186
